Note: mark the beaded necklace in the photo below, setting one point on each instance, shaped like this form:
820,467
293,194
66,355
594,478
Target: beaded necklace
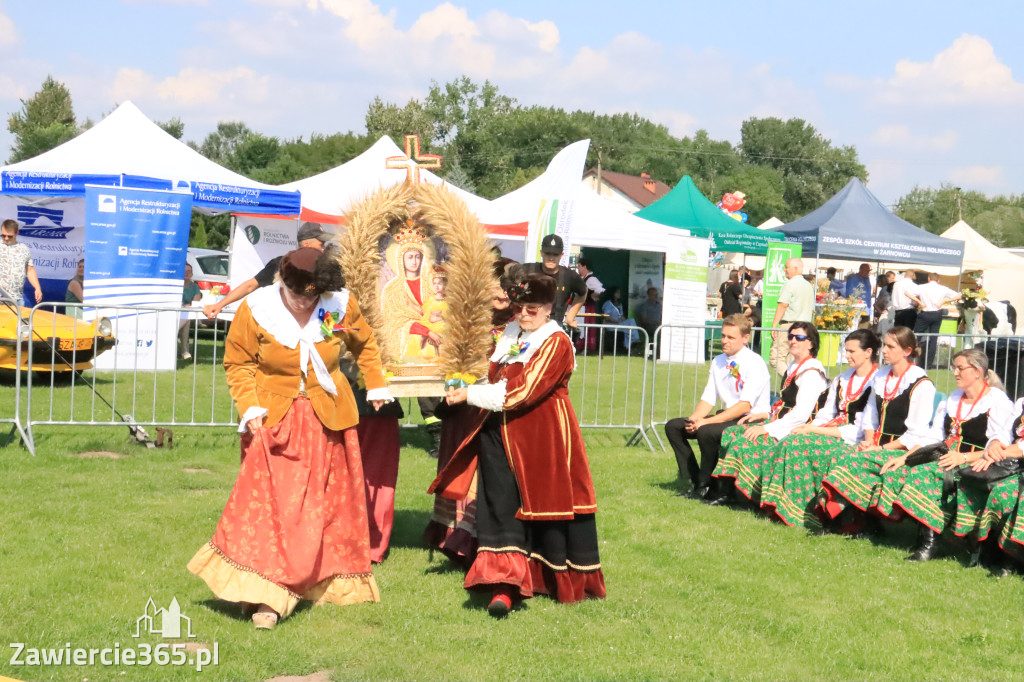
850,396
785,384
886,395
955,437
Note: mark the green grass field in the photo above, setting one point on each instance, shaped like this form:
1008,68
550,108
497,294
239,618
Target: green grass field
694,592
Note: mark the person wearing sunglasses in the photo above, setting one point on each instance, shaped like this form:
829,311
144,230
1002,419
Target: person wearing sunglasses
794,475
896,419
16,265
974,415
746,447
536,527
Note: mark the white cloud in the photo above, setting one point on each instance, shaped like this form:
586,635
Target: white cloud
979,177
8,33
901,137
679,123
192,87
967,73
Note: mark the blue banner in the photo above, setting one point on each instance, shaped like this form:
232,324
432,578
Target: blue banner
136,242
207,195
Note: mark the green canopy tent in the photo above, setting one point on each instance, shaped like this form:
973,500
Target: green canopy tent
686,207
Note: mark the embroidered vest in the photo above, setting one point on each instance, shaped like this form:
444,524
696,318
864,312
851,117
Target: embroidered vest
893,414
973,432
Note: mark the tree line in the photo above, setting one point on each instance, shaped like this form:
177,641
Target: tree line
491,144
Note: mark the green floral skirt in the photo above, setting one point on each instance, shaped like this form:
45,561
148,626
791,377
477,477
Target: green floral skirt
793,476
1003,509
917,492
745,460
855,479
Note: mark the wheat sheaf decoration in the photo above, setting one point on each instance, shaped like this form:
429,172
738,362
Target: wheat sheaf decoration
466,342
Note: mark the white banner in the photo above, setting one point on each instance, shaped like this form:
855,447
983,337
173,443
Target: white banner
686,277
645,271
256,241
54,231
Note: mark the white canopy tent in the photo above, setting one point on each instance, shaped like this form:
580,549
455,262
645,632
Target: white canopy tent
128,149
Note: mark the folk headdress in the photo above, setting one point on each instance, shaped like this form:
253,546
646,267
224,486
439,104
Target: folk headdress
533,288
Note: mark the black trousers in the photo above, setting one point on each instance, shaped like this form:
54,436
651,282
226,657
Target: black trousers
905,318
928,323
709,440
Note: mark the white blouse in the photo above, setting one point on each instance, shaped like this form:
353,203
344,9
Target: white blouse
811,385
919,413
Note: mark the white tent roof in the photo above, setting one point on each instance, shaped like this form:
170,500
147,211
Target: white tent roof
334,191
1001,270
127,143
771,224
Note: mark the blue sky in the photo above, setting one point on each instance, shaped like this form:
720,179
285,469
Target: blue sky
928,92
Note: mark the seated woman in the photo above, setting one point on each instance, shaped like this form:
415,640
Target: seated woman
977,413
536,504
612,311
795,473
1001,521
295,524
747,447
896,418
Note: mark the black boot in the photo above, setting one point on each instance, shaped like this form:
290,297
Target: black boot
435,436
722,492
927,545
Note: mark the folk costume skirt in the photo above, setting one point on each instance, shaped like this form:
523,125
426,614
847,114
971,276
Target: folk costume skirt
745,460
452,526
557,558
793,476
1002,514
295,524
855,479
379,448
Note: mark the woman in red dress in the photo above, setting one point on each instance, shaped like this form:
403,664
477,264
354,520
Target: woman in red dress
295,525
536,505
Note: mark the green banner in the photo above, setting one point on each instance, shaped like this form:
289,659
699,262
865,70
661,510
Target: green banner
686,273
774,278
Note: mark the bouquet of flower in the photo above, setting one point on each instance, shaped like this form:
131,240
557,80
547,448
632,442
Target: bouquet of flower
837,313
970,299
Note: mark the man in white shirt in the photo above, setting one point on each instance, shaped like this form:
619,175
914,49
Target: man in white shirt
904,298
933,298
796,304
740,380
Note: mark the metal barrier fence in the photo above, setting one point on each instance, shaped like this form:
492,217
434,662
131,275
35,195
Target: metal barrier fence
682,355
20,332
624,379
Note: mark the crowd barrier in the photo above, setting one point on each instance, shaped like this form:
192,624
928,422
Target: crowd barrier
624,379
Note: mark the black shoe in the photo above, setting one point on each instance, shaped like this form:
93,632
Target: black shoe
696,493
927,546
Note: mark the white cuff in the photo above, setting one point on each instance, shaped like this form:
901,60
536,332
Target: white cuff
250,414
379,394
487,396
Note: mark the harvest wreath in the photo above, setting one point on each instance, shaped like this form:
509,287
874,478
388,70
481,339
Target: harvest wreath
435,212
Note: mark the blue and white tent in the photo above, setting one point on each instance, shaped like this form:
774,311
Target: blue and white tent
126,149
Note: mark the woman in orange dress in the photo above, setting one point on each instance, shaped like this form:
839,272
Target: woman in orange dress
295,524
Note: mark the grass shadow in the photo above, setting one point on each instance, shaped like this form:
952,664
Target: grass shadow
408,527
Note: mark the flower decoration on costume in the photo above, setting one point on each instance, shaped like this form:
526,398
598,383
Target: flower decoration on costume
734,372
518,291
459,380
518,348
496,335
330,323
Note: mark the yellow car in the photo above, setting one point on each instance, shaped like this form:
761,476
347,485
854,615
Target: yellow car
76,342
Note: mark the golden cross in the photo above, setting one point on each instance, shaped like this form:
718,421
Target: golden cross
412,153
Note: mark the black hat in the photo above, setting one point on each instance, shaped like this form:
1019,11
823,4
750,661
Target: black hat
552,244
312,231
309,271
533,288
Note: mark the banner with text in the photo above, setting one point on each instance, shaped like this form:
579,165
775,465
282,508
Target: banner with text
136,242
646,270
553,217
685,303
774,278
54,232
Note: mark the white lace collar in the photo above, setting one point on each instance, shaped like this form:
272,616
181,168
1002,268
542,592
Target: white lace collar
270,313
514,334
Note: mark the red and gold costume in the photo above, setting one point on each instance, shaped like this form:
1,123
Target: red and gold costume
536,504
295,524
